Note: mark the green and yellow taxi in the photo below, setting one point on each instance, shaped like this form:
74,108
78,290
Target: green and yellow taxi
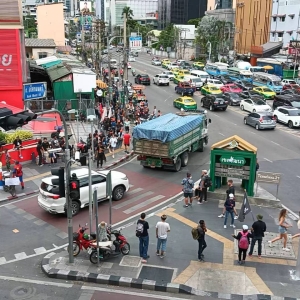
175,71
265,91
178,78
185,102
198,65
210,90
165,63
183,72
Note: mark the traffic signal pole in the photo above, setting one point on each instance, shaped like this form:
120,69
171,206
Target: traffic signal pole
67,168
90,191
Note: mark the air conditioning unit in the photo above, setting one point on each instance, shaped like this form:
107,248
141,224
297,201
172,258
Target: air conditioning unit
280,39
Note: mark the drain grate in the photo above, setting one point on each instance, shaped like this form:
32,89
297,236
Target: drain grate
161,275
130,261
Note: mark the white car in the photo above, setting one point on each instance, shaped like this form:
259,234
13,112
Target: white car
179,61
288,115
131,58
172,65
49,198
214,82
161,79
288,81
254,105
128,66
169,74
156,62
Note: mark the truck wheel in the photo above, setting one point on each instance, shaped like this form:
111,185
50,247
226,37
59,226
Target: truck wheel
177,166
184,159
201,146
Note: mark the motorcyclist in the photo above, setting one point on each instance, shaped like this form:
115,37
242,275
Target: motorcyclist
133,72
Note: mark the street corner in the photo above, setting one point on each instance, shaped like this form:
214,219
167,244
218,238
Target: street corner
120,156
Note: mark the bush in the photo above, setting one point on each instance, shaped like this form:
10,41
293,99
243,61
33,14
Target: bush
10,137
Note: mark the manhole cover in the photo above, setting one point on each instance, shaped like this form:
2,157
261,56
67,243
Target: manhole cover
130,261
161,275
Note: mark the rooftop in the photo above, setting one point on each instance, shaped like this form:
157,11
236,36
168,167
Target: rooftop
42,43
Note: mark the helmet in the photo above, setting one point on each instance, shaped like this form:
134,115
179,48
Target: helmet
86,236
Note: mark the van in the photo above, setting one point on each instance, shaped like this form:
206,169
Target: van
200,74
194,80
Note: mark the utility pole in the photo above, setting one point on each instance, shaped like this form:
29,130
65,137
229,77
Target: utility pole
109,74
82,39
90,190
125,59
98,47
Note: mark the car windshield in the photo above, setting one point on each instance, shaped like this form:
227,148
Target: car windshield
234,95
196,80
267,90
277,83
295,104
266,117
259,102
213,88
204,76
53,189
233,87
292,82
254,93
295,112
163,76
188,101
217,82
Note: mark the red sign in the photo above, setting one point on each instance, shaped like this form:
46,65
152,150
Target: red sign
294,51
10,59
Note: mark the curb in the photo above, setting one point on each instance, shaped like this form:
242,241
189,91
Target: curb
122,159
143,283
18,195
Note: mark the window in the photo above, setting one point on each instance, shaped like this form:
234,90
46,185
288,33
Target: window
290,32
274,19
281,19
84,181
98,179
273,34
280,34
42,54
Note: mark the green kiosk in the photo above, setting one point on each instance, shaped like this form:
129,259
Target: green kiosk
233,158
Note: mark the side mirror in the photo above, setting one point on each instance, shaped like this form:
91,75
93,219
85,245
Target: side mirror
209,120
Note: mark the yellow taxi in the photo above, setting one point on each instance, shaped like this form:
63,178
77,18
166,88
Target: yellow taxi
185,102
265,91
210,90
198,65
175,71
183,72
165,61
178,78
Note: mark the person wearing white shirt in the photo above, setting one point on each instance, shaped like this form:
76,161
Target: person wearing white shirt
162,229
113,144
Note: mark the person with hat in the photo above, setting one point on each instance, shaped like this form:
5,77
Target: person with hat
18,172
243,238
229,206
258,230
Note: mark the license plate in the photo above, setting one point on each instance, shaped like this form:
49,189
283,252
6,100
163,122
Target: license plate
221,102
90,250
44,197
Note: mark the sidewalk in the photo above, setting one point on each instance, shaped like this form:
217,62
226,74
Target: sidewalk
219,276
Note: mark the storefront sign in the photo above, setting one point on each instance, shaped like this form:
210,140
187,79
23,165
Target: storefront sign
268,177
232,160
242,172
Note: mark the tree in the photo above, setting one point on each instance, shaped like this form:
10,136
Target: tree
167,38
128,12
194,22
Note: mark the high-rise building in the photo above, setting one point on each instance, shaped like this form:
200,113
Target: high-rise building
179,11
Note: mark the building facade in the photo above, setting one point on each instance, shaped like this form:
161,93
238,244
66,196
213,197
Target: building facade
179,11
252,24
285,21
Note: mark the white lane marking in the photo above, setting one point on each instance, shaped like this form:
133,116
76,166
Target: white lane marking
221,134
40,250
252,132
298,176
22,257
19,279
291,212
16,201
216,115
275,143
142,295
267,160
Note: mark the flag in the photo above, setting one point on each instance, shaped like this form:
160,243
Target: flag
245,209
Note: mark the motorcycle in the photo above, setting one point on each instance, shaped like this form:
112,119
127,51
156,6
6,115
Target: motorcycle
82,240
133,72
109,248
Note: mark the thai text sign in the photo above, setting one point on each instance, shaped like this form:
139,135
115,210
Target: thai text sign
232,160
268,177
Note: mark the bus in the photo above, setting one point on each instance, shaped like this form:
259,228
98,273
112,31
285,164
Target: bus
273,82
216,69
239,74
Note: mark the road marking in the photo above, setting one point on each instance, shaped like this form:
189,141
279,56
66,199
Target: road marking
267,160
216,115
275,143
221,134
143,204
132,200
298,176
19,279
40,250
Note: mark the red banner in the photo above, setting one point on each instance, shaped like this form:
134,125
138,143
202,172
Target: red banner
10,59
294,51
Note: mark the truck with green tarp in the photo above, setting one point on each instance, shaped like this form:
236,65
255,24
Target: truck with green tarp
166,141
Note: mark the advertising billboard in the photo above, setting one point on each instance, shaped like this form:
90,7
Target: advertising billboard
86,8
10,12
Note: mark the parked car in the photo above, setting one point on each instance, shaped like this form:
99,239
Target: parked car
169,74
233,98
225,79
250,93
172,65
156,62
214,102
185,102
214,82
260,120
49,198
230,87
210,89
287,115
244,84
288,81
292,91
254,104
288,86
161,79
286,100
265,91
142,79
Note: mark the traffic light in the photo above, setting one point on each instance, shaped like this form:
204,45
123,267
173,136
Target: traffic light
9,120
60,181
74,188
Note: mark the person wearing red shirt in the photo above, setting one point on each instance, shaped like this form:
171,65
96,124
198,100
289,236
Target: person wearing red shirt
126,139
18,172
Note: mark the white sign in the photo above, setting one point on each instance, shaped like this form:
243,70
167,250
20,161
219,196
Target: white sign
99,93
84,83
135,43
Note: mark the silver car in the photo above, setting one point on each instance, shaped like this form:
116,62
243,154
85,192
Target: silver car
260,120
156,62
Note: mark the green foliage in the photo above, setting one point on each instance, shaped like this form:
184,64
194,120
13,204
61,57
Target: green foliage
11,136
167,37
194,22
128,12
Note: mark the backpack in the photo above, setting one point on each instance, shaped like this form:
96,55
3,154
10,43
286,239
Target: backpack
139,229
195,233
244,242
207,182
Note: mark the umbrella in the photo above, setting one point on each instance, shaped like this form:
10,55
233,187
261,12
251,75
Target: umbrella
101,84
138,87
268,67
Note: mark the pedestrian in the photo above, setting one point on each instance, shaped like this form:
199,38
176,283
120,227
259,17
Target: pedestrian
203,186
126,139
258,231
188,185
201,239
243,238
162,229
229,206
100,155
230,190
40,151
256,169
283,226
126,125
18,145
113,144
142,233
18,172
7,159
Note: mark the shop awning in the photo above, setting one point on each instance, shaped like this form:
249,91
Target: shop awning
100,84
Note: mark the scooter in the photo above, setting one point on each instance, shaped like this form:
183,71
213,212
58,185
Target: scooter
109,248
82,240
